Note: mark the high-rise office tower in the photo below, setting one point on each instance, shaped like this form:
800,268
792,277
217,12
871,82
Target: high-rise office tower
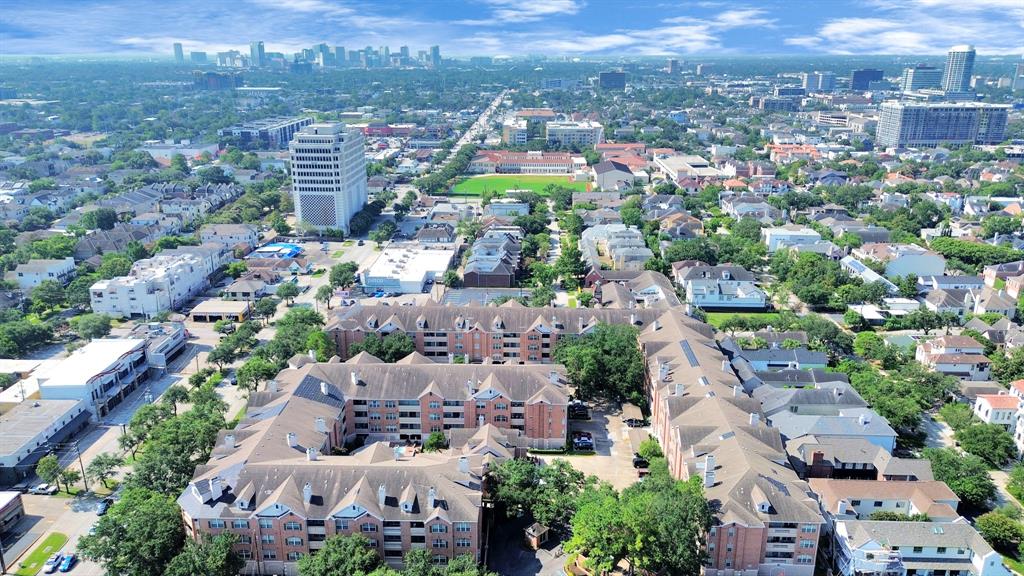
818,81
340,56
179,54
921,76
862,79
613,80
959,66
257,55
673,66
1017,82
404,52
198,57
435,56
927,124
328,175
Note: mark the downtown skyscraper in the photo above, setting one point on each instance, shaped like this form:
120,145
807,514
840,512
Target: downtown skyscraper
959,66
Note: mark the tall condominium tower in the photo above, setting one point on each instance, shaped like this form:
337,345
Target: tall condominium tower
959,65
257,55
328,175
179,54
927,124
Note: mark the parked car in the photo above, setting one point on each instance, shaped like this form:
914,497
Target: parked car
578,412
582,440
639,461
68,563
44,489
51,565
360,243
635,422
103,506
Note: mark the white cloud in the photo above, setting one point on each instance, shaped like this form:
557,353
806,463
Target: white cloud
507,11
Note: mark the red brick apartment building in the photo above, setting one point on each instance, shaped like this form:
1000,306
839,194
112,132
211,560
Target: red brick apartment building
276,482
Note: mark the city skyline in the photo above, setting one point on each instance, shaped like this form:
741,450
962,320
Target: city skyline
508,27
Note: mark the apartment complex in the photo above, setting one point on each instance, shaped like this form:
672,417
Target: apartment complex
515,132
154,285
959,66
506,333
329,180
583,133
273,133
274,481
930,124
766,520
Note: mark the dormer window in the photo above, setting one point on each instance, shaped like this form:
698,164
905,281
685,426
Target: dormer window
764,507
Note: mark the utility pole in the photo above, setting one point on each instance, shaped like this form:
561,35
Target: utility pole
81,465
3,563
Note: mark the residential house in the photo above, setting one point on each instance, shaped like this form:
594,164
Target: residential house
613,175
902,259
723,287
32,273
788,235
854,459
493,261
859,499
960,356
615,246
998,409
245,289
230,235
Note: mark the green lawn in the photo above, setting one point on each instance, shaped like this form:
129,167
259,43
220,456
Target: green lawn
33,563
476,185
716,318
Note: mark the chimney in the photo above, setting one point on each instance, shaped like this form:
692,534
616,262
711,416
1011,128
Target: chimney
324,389
216,488
321,425
431,498
817,457
307,493
451,358
656,325
864,419
632,319
754,419
271,385
464,464
312,454
480,421
312,355
709,478
229,440
553,377
292,439
841,508
736,390
662,371
679,388
725,365
353,376
382,495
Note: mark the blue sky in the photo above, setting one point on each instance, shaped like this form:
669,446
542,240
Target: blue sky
515,27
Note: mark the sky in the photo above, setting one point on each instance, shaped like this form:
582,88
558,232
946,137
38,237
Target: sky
516,27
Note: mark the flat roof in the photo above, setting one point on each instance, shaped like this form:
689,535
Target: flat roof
409,264
21,424
220,306
8,496
17,366
90,360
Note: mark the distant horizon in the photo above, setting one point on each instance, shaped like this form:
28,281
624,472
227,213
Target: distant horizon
581,28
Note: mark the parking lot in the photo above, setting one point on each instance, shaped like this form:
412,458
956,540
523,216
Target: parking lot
612,460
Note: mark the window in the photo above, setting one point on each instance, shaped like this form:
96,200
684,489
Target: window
462,542
878,503
293,541
239,523
390,404
269,555
264,523
807,543
293,556
918,549
438,543
292,526
804,559
808,528
244,539
267,538
216,524
367,527
438,528
372,543
435,404
462,526
440,559
854,502
245,554
941,549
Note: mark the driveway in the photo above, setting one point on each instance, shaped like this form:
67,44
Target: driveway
508,554
612,460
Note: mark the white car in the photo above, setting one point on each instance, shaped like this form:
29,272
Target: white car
45,489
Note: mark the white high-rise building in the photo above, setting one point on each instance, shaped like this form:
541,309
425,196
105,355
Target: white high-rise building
959,66
928,124
328,175
1017,82
921,76
584,133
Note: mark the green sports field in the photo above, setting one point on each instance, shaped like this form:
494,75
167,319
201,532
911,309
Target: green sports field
476,185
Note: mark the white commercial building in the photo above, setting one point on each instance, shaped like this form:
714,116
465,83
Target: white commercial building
789,235
406,270
329,182
33,272
101,374
585,133
154,285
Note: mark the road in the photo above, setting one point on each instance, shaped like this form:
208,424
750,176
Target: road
479,127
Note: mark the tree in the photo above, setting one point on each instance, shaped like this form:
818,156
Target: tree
991,442
1008,367
254,371
91,326
957,415
604,363
747,229
390,348
541,297
585,299
48,469
966,475
236,269
890,516
180,164
344,274
142,524
173,396
383,232
103,467
649,449
266,307
451,279
221,355
349,555
324,294
69,476
599,529
48,294
999,530
288,291
99,219
436,441
207,557
856,322
570,264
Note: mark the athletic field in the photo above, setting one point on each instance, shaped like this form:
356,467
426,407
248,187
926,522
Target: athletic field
476,185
